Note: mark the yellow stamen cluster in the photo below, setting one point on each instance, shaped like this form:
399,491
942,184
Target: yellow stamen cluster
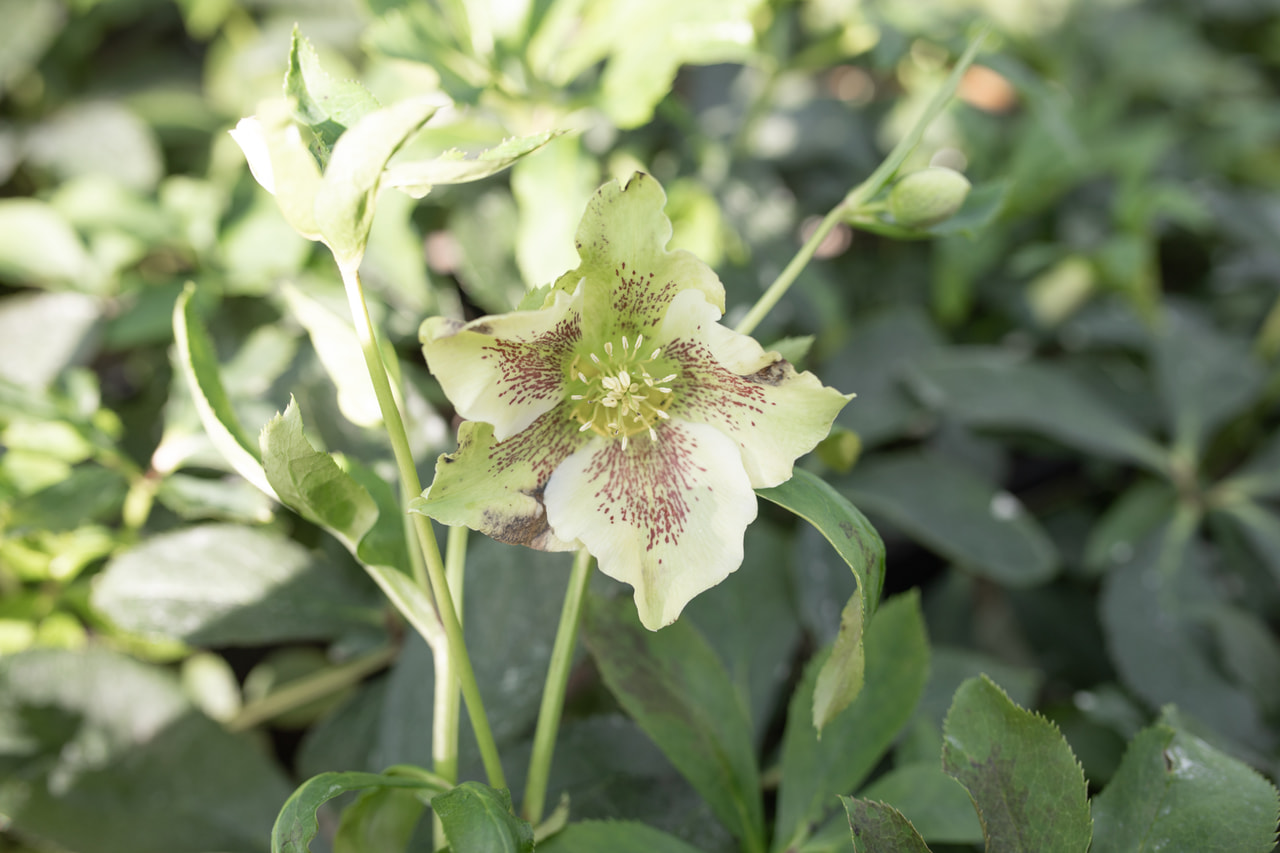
620,397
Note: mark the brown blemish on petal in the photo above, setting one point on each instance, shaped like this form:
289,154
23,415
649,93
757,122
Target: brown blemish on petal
773,374
529,530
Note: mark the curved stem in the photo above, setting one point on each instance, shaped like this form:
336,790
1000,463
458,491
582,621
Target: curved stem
411,486
309,689
544,738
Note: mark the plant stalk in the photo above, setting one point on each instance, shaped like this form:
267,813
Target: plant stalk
309,689
544,738
411,486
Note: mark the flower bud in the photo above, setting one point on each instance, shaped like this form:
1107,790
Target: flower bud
927,197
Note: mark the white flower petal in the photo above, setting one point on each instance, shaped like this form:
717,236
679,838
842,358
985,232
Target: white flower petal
509,369
666,517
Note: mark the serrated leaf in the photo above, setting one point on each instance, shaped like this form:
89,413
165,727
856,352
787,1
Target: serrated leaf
955,512
936,804
199,366
880,828
989,389
346,200
813,772
417,177
1173,791
297,824
329,107
224,584
676,689
1025,782
841,676
477,817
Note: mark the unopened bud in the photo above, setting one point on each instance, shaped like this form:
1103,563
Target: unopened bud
927,197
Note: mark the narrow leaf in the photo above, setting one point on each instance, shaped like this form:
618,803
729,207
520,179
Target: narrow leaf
199,365
813,499
614,836
676,689
477,817
880,828
840,678
1173,791
417,177
813,773
335,342
1024,780
296,825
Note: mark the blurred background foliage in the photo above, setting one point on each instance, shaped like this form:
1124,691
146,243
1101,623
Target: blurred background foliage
1066,411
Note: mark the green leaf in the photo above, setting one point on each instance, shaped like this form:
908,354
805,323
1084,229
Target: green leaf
1261,528
42,334
989,389
476,817
100,753
329,107
32,28
955,512
813,772
1151,610
936,804
345,202
295,176
676,689
841,676
225,584
39,247
199,366
379,819
335,342
1132,517
296,824
551,191
1204,377
417,177
1259,476
880,828
1028,787
855,540
1173,791
613,836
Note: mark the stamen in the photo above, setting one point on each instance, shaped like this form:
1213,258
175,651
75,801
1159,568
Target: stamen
624,442
608,348
624,343
582,376
585,427
595,358
665,390
653,435
577,397
639,340
661,414
656,353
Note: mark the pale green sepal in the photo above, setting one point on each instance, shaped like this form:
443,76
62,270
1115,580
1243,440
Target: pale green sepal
416,178
199,365
497,488
281,163
336,344
325,105
840,679
631,279
344,205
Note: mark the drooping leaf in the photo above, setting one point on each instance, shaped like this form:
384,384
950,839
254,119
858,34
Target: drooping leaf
329,107
675,688
1028,787
297,824
1173,791
417,177
199,365
954,511
988,389
615,836
936,804
841,676
477,817
225,584
880,828
95,745
813,771
379,819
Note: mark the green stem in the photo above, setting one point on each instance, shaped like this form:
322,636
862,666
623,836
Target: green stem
444,734
411,486
859,196
309,689
544,738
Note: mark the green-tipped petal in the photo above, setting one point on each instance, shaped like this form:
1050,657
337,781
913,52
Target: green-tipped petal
728,381
506,370
496,487
629,276
665,516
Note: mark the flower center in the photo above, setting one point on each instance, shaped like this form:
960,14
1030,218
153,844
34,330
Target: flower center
617,396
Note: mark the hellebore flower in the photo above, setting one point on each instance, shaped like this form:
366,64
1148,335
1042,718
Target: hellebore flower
620,415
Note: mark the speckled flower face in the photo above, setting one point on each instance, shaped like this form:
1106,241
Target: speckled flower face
621,416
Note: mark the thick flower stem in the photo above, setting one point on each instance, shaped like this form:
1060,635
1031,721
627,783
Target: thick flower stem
444,722
411,486
859,197
544,738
